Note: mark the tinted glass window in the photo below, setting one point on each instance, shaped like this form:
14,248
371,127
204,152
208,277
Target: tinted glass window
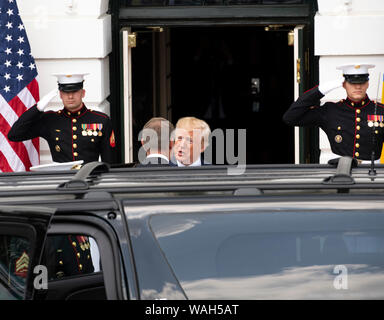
14,264
275,255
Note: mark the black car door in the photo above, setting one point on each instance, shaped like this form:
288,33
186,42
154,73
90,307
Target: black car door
22,234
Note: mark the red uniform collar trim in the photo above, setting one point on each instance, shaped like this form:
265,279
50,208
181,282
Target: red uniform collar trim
360,104
75,114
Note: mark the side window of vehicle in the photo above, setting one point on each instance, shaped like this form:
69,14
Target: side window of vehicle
14,264
68,255
275,254
82,261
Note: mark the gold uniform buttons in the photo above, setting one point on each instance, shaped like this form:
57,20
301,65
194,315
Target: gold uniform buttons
78,255
357,136
358,128
352,104
339,128
57,138
74,137
357,154
74,128
74,120
61,262
357,145
358,119
74,243
358,110
80,266
74,145
75,154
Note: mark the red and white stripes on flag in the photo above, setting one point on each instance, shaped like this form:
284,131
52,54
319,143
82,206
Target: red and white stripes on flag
19,89
18,156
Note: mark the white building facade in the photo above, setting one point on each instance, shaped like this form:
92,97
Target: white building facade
348,31
70,36
76,36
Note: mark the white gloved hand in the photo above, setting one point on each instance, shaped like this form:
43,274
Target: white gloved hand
326,87
43,103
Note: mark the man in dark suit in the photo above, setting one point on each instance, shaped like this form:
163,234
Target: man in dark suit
156,143
191,139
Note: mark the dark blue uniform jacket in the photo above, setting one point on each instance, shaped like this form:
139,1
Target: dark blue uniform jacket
81,135
353,129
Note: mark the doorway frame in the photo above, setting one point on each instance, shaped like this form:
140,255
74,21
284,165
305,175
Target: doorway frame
239,15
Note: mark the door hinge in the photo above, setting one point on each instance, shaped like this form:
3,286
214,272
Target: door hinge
298,68
132,40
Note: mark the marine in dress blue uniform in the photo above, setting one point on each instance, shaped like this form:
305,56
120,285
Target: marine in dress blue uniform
83,134
354,128
68,255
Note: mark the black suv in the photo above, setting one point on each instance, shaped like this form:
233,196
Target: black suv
273,232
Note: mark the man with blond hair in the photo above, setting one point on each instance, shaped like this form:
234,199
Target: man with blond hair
191,139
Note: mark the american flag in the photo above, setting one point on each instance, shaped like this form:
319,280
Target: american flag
19,89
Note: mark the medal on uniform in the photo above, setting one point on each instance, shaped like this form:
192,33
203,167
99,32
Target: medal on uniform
84,127
57,148
89,132
95,133
380,119
370,120
99,128
338,138
376,124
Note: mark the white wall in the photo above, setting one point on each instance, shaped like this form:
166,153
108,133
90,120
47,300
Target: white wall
348,31
70,36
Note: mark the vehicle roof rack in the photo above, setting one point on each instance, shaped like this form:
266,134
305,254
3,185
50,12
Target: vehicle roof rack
343,172
247,192
334,162
88,171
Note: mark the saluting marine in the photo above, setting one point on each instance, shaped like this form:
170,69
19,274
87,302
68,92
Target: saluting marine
73,133
355,125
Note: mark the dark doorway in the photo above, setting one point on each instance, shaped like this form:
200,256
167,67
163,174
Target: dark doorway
231,77
215,72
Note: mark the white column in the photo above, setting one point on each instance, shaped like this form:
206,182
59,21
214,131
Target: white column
348,31
70,36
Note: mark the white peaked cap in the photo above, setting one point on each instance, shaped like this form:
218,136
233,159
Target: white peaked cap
355,68
65,78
